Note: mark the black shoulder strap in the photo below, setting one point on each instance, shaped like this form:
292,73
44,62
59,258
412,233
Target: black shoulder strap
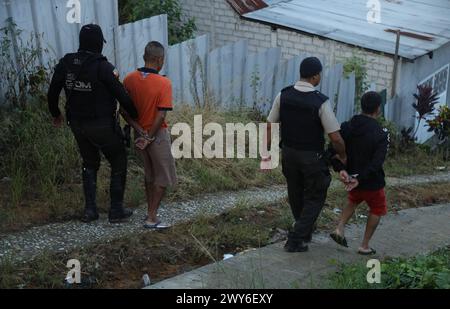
287,88
322,97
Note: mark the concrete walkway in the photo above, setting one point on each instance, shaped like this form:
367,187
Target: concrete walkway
408,233
62,237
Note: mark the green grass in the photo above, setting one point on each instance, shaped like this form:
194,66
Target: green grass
417,161
41,270
122,262
430,271
232,231
43,167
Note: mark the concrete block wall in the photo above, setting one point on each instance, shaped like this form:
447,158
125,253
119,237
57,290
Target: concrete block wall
225,26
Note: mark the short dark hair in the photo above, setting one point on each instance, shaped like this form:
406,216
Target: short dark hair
310,67
153,51
370,102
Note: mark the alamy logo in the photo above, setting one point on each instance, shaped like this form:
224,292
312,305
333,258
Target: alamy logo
74,274
74,14
234,140
374,274
374,14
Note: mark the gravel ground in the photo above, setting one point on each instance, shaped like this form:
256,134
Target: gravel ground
66,236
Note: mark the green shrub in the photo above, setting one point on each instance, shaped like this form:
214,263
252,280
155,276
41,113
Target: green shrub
359,67
23,76
36,156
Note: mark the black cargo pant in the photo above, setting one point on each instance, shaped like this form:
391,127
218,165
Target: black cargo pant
103,135
308,179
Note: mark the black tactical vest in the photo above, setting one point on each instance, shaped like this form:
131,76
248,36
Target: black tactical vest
301,127
87,97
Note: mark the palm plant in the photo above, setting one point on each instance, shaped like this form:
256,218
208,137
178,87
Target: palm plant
425,102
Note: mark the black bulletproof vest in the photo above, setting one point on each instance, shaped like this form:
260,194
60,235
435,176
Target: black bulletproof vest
301,127
87,97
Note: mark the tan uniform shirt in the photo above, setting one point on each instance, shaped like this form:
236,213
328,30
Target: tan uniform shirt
326,114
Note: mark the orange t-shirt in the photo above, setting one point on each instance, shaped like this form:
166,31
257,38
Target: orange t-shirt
151,93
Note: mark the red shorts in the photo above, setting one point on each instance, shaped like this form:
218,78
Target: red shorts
375,199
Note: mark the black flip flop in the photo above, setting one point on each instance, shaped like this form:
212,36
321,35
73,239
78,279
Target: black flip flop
339,240
371,252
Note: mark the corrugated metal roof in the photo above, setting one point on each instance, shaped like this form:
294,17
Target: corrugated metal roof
346,21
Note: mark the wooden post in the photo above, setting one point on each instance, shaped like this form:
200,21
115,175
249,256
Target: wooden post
394,73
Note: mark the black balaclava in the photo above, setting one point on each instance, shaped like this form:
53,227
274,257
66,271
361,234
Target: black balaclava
91,39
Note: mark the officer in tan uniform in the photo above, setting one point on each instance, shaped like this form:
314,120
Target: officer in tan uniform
305,116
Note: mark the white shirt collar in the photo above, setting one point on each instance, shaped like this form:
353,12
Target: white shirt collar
304,86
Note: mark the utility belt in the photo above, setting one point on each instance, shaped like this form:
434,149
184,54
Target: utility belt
113,122
319,150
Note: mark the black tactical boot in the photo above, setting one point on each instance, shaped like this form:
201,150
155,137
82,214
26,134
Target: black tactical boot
90,190
294,244
118,214
289,241
310,236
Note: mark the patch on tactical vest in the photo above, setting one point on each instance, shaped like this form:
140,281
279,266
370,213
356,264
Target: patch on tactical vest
75,85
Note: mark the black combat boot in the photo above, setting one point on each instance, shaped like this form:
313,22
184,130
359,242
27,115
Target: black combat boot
118,213
310,236
294,244
90,190
289,241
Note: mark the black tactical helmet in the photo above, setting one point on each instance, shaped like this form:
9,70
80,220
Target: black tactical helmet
91,38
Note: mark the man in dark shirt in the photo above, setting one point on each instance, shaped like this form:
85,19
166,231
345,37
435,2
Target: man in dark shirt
92,87
367,145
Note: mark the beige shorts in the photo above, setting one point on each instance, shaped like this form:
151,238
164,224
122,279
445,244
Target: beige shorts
159,163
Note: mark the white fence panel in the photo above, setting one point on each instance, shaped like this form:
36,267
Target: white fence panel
131,39
225,71
49,20
229,75
288,73
259,75
331,82
186,68
346,100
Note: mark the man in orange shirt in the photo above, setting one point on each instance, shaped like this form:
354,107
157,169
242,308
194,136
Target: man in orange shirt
152,96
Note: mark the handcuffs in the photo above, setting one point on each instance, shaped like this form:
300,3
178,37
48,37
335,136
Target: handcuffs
143,141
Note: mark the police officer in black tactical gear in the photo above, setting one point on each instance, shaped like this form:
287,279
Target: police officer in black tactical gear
305,116
92,87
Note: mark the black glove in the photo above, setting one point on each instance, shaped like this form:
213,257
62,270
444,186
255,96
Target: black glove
331,160
127,136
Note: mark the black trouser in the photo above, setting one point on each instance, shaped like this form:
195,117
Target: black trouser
103,135
308,179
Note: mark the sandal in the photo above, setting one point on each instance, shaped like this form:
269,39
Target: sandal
371,252
342,241
156,226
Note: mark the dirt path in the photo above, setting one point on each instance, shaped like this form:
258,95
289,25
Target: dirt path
25,245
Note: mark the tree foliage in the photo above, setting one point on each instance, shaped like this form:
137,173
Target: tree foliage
180,28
